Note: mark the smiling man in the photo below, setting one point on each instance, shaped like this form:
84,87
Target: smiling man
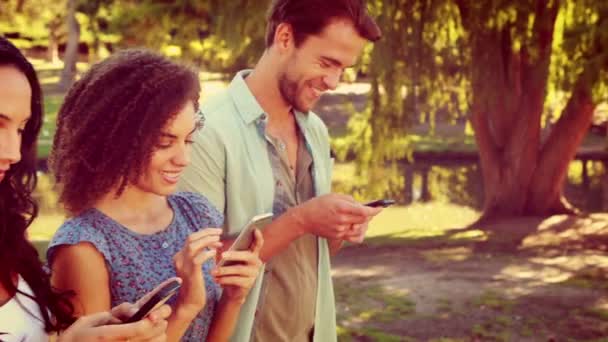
263,150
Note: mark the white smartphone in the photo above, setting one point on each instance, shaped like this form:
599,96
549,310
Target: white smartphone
245,238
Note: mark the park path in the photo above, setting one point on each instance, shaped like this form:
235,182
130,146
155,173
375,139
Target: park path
552,284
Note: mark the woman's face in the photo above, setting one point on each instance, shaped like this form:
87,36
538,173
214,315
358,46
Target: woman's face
15,110
172,153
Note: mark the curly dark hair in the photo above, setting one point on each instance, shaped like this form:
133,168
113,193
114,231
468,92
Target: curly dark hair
111,120
18,209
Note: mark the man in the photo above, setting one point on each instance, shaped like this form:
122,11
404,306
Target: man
263,150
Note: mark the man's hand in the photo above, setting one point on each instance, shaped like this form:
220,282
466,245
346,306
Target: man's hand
333,216
356,234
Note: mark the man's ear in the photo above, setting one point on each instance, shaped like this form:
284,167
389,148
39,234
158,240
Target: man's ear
283,37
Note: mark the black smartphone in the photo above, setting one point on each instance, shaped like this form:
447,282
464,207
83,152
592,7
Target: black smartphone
380,203
158,299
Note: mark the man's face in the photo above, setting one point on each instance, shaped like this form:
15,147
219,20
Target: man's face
317,64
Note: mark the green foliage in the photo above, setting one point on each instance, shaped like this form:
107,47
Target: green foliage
423,68
214,33
580,43
35,20
419,51
240,26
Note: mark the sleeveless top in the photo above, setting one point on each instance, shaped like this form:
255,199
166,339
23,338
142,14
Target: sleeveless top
20,318
137,263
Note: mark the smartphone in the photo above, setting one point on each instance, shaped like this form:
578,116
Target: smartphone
245,238
159,298
380,203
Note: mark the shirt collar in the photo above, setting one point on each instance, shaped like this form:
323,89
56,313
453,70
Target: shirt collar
247,105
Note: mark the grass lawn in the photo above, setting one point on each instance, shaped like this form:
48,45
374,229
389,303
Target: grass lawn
418,221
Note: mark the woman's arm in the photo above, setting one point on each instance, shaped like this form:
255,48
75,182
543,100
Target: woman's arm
199,247
81,268
224,320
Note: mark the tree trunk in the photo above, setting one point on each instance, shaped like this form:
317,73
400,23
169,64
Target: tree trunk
521,174
71,52
559,149
53,49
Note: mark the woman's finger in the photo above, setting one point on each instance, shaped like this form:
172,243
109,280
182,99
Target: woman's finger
94,320
205,232
258,242
159,338
242,282
239,270
196,246
203,256
246,257
149,295
131,331
162,313
148,330
124,311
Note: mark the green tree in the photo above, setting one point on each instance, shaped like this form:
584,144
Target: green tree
38,23
503,62
68,74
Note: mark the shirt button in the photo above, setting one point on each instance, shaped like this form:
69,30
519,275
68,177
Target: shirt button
263,117
165,245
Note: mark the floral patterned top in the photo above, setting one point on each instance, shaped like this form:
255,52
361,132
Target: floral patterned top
137,263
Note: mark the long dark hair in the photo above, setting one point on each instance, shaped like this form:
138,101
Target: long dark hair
18,209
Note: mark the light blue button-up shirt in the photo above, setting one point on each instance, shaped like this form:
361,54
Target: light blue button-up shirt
231,167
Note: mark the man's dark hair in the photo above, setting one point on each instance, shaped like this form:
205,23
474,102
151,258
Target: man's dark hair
111,120
309,17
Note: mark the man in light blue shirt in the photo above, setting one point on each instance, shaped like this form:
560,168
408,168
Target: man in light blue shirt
263,150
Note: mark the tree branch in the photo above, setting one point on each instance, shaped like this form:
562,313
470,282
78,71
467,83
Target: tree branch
562,144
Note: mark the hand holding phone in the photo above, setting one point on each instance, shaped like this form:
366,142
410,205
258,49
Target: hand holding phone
199,247
155,300
239,270
109,326
357,232
245,237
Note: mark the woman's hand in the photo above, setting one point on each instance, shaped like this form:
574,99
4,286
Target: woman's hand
199,247
107,326
237,279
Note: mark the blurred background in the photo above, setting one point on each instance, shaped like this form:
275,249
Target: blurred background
485,120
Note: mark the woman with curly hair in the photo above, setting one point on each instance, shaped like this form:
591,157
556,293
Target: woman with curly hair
30,309
123,138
